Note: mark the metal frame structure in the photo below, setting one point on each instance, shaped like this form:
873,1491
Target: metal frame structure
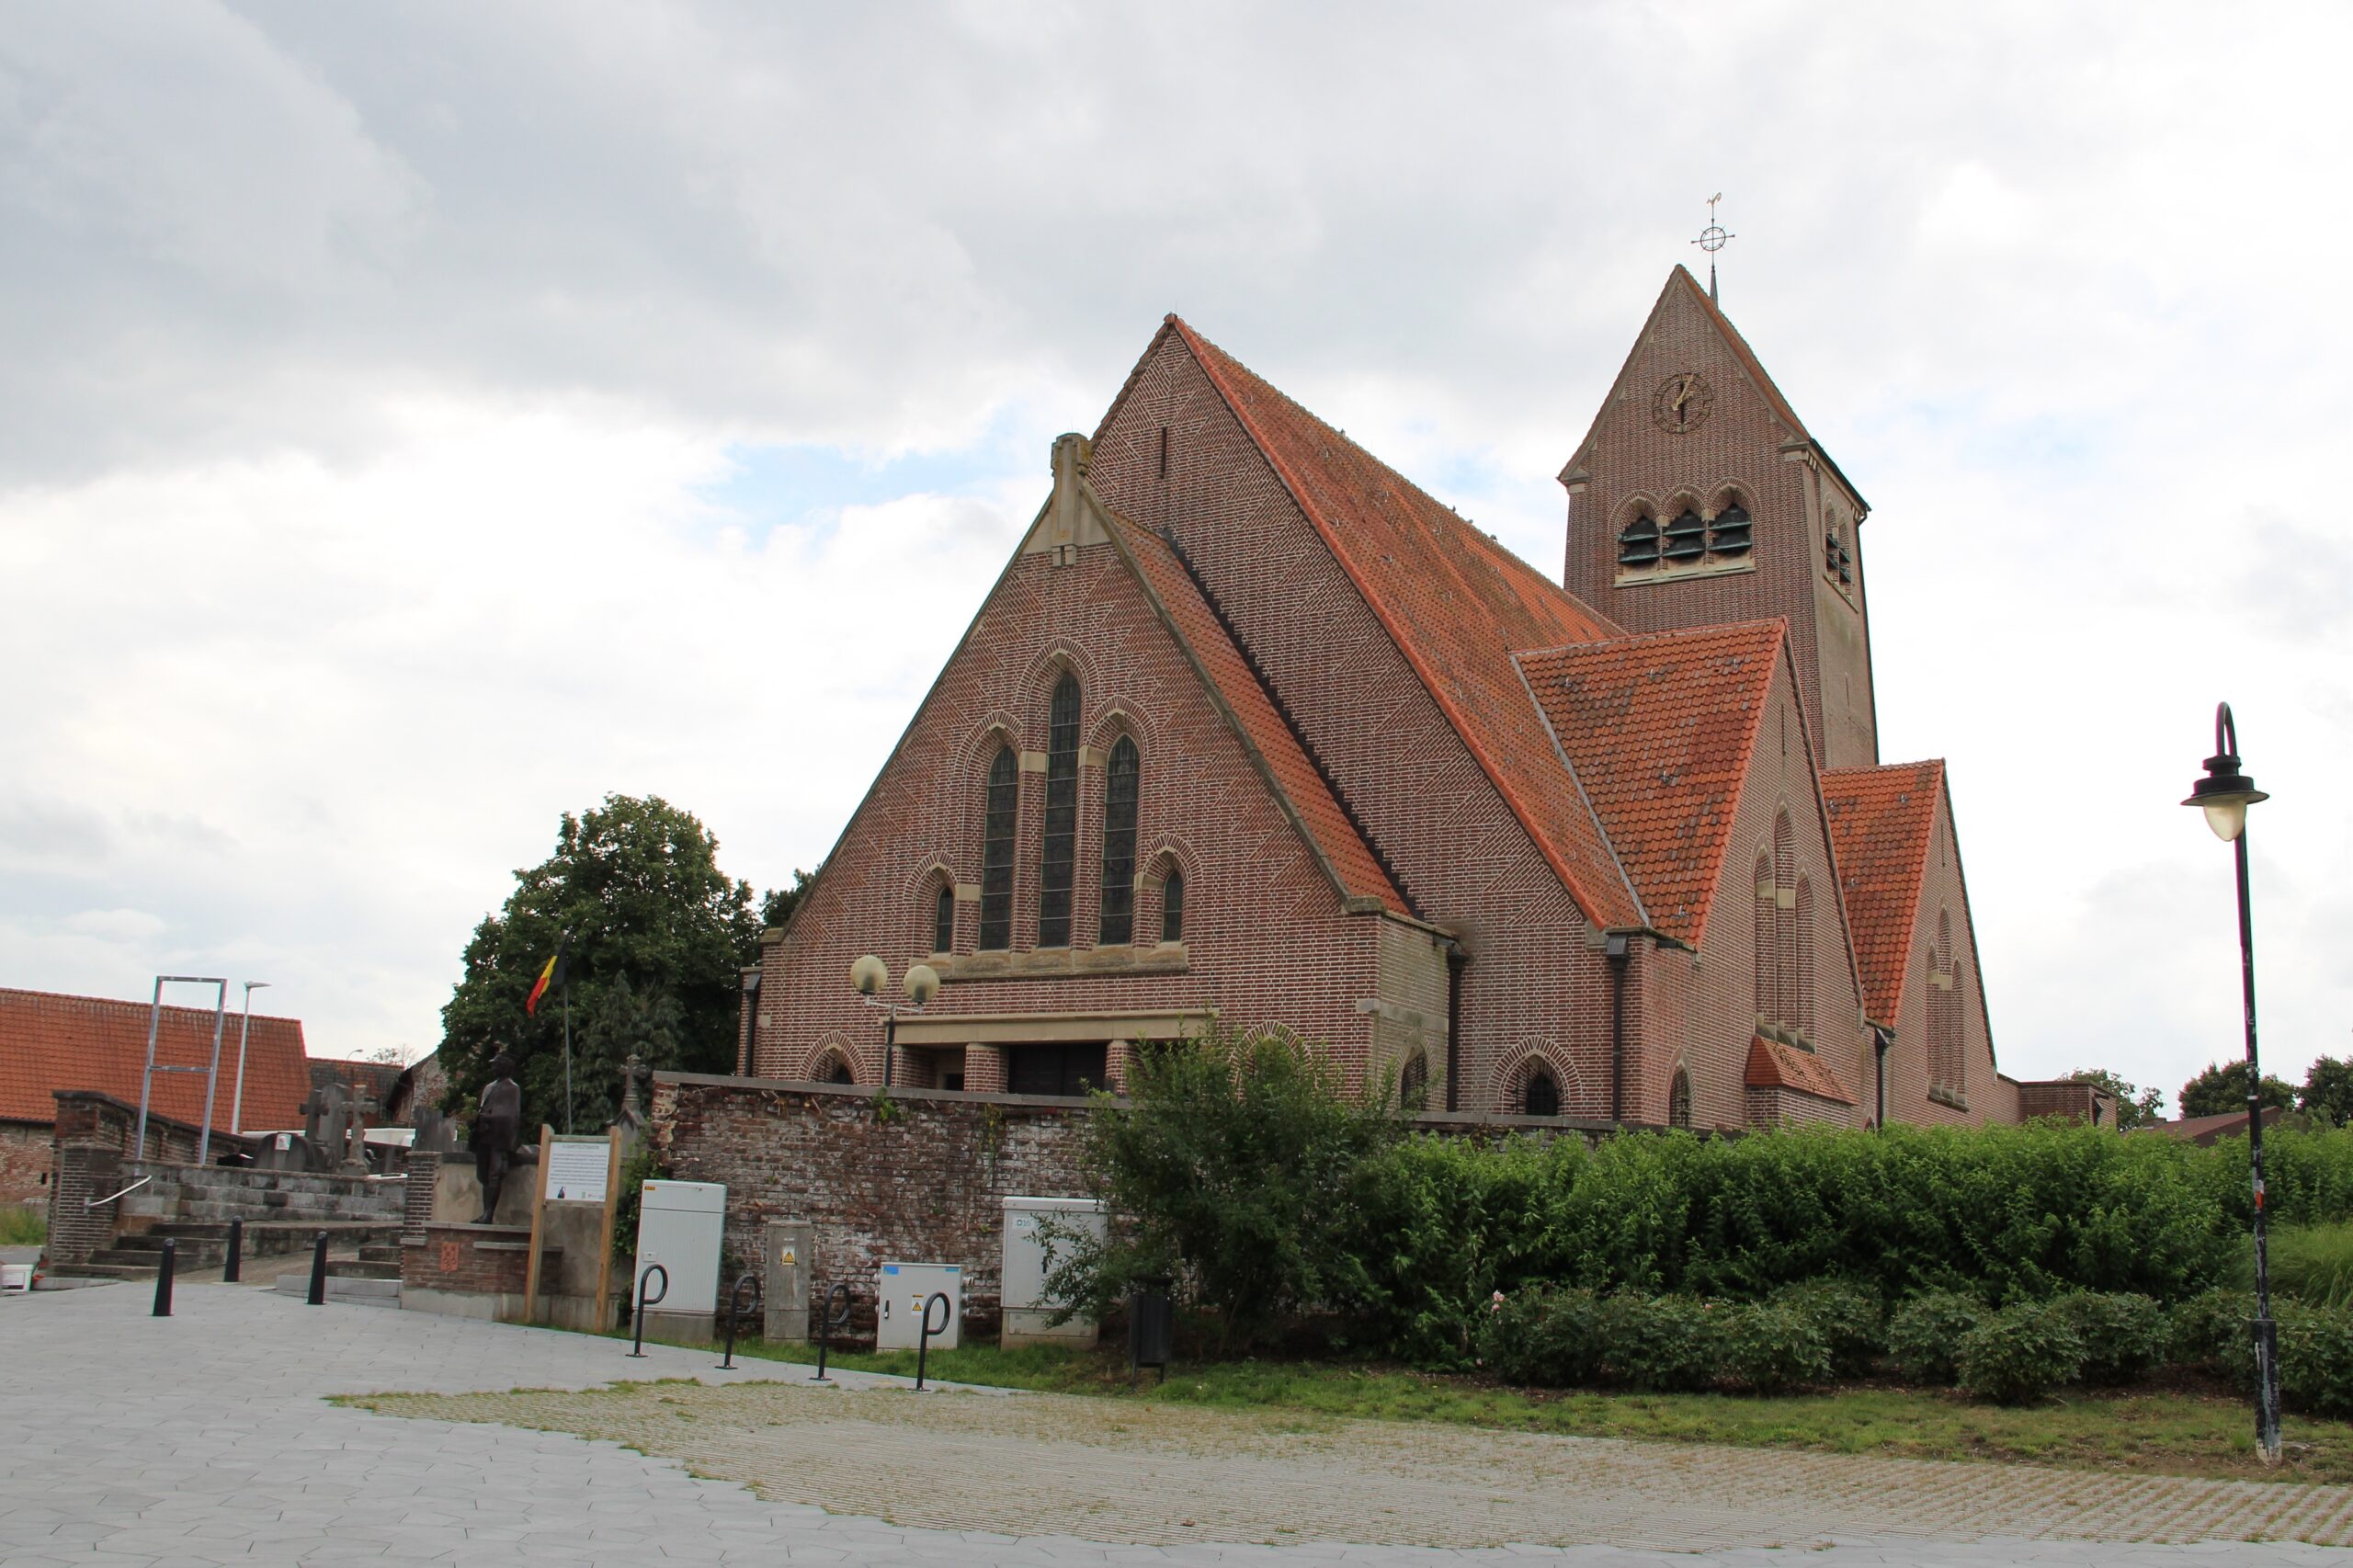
212,1070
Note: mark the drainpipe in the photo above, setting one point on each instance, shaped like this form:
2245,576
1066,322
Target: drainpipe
1455,959
1617,949
1881,1038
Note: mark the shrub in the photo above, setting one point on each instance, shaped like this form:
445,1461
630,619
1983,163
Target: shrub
1926,1333
2316,1359
1234,1170
1847,1317
1666,1343
2210,1331
2311,1263
2122,1337
1549,1338
2020,1354
1770,1345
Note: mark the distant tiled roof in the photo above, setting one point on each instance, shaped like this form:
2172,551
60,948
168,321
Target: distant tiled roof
2210,1128
50,1043
1660,728
1457,604
368,1083
1772,1065
1882,820
1329,826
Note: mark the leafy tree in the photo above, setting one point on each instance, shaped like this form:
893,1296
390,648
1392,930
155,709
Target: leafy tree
776,904
1234,1170
2328,1090
2220,1090
2135,1107
658,940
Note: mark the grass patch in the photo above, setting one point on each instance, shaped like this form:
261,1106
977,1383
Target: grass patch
2178,1430
2311,1263
23,1227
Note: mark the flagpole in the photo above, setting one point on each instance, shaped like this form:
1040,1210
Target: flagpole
567,1055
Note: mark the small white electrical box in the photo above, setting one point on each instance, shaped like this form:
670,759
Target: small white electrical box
900,1290
678,1226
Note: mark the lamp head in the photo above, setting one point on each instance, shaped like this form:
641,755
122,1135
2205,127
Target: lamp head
2225,794
869,975
923,983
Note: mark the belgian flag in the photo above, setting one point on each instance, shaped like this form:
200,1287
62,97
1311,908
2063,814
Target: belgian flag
550,976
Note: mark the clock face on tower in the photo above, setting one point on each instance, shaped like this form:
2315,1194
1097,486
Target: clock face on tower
1682,402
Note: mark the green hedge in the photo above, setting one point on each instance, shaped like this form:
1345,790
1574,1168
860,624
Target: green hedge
2007,1213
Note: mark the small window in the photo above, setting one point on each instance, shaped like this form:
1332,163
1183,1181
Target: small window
1413,1084
1687,539
943,921
1638,544
1121,783
1729,534
996,850
834,1069
1542,1095
1171,908
1679,1102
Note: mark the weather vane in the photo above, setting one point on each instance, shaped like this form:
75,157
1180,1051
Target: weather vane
1713,239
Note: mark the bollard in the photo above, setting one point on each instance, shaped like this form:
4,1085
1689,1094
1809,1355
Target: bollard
734,1313
637,1318
163,1279
925,1332
319,1271
827,1322
231,1270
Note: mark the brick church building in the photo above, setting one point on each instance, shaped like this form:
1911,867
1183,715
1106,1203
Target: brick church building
1252,729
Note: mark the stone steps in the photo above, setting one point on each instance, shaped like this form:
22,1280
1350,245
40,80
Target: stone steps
365,1293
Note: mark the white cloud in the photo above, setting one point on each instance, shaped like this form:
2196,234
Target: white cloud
383,389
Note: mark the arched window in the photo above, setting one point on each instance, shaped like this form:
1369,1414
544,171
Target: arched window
1059,852
1638,544
1413,1083
1768,951
998,816
1944,1009
1687,539
834,1069
1802,1019
1121,783
1785,929
1728,532
1678,1101
943,919
1171,908
1542,1095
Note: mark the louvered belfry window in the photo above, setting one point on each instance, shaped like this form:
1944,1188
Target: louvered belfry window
1638,544
1728,535
998,818
1059,852
1687,539
1120,782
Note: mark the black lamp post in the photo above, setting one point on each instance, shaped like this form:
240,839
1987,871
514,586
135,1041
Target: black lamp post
2225,794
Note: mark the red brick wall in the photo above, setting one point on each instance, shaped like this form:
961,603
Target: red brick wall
1990,1097
1264,938
1629,458
1534,987
25,1160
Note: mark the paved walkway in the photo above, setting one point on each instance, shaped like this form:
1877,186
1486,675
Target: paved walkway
204,1439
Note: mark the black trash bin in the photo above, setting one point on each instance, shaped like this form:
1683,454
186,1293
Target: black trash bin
1152,1331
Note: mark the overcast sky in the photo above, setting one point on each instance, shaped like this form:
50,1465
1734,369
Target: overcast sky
420,423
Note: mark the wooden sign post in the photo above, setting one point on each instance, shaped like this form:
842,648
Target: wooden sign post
574,1170
612,1215
539,1204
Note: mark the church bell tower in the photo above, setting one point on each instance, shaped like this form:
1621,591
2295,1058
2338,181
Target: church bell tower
1698,498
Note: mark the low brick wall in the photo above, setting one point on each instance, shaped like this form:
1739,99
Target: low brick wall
91,1151
26,1155
926,1186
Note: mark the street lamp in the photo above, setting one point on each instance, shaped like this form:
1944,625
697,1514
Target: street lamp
2225,794
871,977
245,1030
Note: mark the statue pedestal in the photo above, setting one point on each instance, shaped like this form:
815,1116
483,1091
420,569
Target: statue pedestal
476,1271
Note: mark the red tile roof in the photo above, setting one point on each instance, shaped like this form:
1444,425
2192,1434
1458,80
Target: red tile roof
1457,605
1882,823
1660,729
50,1043
1772,1065
1358,870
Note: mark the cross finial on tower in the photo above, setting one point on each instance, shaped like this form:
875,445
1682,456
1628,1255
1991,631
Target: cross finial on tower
1713,239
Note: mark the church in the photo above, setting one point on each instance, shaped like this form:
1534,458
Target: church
1253,732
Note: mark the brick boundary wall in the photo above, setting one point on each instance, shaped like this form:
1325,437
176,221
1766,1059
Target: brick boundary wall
26,1156
91,1145
927,1185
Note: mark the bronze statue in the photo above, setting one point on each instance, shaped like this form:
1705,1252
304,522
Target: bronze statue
497,1130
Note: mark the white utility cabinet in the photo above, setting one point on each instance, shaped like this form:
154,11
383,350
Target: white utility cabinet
899,1291
1027,1307
678,1226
